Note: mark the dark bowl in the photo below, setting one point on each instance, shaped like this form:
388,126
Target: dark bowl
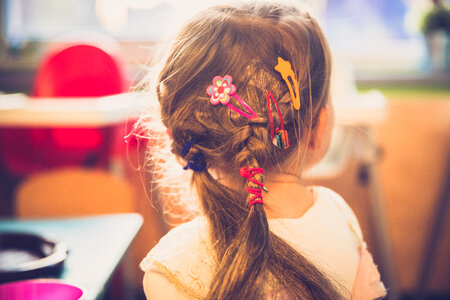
26,256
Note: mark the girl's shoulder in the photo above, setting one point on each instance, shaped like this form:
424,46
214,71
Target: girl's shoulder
333,199
184,256
367,284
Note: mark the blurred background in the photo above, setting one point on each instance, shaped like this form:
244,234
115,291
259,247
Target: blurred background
391,88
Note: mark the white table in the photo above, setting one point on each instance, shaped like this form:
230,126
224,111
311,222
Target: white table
97,244
19,110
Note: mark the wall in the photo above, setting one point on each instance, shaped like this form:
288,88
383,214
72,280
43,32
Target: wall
415,143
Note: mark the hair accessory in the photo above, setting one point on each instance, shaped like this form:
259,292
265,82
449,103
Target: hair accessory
279,136
197,162
221,92
248,173
285,69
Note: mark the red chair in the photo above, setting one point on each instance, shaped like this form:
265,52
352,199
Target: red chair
80,70
68,70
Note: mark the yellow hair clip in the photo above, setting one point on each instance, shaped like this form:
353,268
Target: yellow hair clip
285,69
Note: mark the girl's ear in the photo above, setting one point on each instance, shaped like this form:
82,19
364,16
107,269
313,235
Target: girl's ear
321,128
169,133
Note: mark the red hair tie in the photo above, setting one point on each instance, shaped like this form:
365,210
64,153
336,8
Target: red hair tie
248,173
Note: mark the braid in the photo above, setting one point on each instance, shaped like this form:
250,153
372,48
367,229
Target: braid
244,258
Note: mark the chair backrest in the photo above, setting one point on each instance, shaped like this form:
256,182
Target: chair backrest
73,192
80,70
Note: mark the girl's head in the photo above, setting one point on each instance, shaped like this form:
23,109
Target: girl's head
245,41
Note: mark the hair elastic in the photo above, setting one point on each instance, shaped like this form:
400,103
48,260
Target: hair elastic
248,173
222,90
285,69
197,162
279,136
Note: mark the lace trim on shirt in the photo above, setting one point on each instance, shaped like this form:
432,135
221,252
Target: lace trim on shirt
172,276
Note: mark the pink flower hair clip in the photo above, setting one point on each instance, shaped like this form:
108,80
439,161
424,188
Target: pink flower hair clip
222,90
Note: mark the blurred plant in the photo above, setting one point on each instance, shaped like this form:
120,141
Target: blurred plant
436,19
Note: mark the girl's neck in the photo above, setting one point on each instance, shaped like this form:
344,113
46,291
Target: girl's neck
287,196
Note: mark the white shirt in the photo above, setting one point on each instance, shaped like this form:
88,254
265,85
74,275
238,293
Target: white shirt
181,265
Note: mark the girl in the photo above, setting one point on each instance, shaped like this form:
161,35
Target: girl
244,94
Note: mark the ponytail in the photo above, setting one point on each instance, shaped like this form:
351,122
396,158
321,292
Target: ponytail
250,258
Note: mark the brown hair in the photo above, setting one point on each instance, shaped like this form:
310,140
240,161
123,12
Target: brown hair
245,41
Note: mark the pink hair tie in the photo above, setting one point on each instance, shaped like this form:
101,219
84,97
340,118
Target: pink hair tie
248,173
222,90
